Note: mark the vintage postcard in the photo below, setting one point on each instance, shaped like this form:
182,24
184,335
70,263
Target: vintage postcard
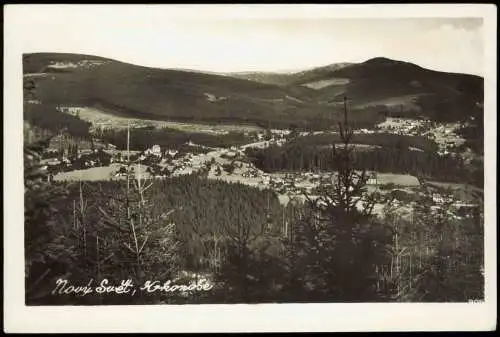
250,168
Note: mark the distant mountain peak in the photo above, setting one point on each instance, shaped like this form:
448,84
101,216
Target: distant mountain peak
381,60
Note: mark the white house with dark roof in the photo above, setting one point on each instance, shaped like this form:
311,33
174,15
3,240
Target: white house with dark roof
155,150
372,179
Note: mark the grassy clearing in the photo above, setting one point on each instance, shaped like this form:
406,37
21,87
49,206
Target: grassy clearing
105,119
102,173
325,83
409,102
397,179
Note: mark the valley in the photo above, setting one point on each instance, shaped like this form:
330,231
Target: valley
232,165
229,175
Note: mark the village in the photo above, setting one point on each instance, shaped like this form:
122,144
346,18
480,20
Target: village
97,160
443,134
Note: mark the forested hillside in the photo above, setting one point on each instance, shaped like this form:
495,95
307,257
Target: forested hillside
309,101
235,217
242,239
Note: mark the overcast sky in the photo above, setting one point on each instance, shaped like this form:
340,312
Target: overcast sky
152,37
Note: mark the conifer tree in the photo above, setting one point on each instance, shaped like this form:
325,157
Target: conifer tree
47,256
340,240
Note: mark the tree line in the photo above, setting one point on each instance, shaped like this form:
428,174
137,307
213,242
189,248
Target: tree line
143,138
48,117
295,156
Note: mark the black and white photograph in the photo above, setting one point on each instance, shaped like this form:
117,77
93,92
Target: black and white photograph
185,160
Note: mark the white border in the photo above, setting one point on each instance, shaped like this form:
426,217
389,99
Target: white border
217,318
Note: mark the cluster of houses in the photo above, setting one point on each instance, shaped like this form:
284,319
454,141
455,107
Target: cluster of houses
56,161
156,151
462,199
69,153
364,131
154,159
405,126
284,184
445,135
160,162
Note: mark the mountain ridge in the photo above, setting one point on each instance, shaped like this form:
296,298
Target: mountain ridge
378,85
